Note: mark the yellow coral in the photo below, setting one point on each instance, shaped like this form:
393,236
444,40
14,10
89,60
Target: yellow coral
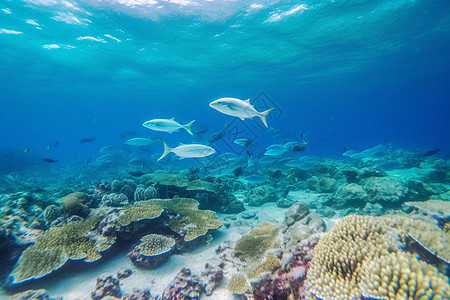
335,269
269,265
399,275
261,238
238,284
155,244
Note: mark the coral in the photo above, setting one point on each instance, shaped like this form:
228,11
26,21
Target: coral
349,195
150,193
385,190
140,211
432,207
400,275
253,245
238,284
188,220
32,295
137,294
201,185
58,245
163,178
335,269
327,185
129,192
73,204
296,212
107,285
268,265
153,251
114,199
124,273
139,194
261,194
52,212
184,286
116,186
213,276
130,183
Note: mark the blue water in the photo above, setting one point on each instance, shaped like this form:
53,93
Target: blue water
348,74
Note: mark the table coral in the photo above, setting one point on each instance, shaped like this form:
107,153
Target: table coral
58,245
153,251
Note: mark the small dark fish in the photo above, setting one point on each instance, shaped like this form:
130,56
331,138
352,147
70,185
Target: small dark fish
299,148
87,140
216,137
238,171
276,174
56,144
430,152
49,160
136,173
88,160
345,149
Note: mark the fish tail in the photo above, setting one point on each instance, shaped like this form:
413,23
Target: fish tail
264,114
188,127
167,150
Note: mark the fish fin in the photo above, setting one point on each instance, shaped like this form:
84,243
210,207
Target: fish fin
242,118
167,150
264,114
248,100
188,127
172,119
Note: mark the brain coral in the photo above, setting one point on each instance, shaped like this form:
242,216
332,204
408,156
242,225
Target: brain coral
58,245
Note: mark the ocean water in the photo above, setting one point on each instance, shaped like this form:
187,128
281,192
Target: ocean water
341,75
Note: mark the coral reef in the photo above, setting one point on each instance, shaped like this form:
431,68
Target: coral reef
259,195
385,190
238,284
114,199
153,251
33,295
258,241
184,286
107,285
52,212
73,204
58,245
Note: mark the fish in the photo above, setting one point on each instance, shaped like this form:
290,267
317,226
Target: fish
50,160
136,173
216,137
26,150
188,151
87,140
56,144
243,142
139,141
430,152
167,125
48,147
239,108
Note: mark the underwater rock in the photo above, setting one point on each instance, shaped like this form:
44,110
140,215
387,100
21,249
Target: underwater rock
152,252
114,199
350,174
73,204
370,172
284,202
248,215
107,286
52,212
212,277
386,190
184,286
350,195
234,207
327,185
124,273
261,194
296,212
